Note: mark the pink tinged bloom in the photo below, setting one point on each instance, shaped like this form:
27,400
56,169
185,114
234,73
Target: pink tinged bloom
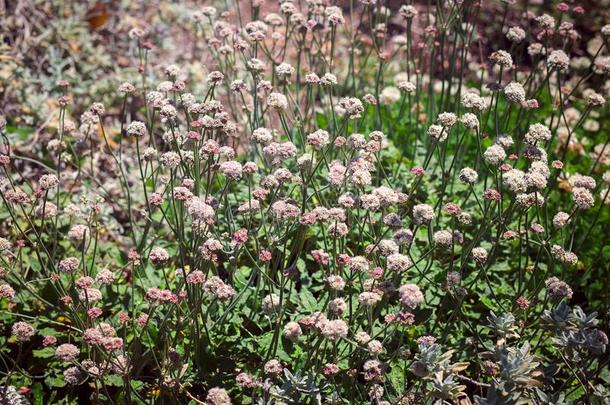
308,218
94,312
373,370
510,235
336,307
335,282
318,139
522,302
200,210
340,141
231,169
84,282
112,343
69,265
159,256
48,341
240,237
67,352
181,194
22,331
338,230
97,334
410,296
134,257
195,277
343,259
423,214
216,287
330,369
335,329
292,331
369,298
142,320
105,277
491,194
260,193
123,317
6,291
426,340
397,262
271,304
320,257
195,136
451,209
73,375
377,273
283,210
250,167
273,367
336,173
218,396
93,336
265,256
404,318
558,289
158,297
136,129
245,380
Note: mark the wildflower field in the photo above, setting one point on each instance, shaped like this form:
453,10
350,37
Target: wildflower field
305,202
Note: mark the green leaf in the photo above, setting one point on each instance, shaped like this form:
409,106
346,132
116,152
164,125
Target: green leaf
113,380
22,133
37,394
307,301
53,381
45,353
397,377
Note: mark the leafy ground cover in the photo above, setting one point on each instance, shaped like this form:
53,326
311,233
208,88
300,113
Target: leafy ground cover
310,203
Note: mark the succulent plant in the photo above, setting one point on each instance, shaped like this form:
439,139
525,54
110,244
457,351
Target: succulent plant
518,376
434,365
296,385
503,325
574,331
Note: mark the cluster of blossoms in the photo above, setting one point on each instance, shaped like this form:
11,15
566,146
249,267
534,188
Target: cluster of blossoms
291,229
